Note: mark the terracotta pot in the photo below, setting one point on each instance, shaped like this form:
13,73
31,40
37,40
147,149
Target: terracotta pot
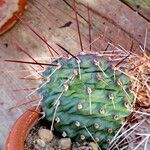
7,22
21,128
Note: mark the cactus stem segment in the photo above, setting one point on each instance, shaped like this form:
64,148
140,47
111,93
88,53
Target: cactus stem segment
76,100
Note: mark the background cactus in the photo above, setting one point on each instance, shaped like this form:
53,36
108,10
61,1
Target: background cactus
85,98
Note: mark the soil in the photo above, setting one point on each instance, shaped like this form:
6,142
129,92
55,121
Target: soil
31,140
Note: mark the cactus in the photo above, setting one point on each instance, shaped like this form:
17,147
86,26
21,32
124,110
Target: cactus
85,98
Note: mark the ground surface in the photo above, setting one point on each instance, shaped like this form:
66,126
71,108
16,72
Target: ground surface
32,143
56,21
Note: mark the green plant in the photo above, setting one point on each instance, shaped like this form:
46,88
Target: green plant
85,98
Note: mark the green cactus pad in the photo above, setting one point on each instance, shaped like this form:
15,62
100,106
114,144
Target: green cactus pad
86,96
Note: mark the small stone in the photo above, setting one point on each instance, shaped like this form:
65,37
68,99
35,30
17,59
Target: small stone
48,148
65,143
37,147
93,145
88,148
41,143
46,135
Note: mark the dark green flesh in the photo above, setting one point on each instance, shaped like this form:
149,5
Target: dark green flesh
77,93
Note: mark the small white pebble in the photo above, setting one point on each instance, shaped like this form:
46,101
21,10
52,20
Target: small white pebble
41,143
37,147
65,143
93,145
46,135
48,148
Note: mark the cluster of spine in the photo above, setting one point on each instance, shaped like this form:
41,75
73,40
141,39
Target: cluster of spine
85,99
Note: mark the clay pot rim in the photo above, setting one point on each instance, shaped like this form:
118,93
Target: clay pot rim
12,21
21,128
